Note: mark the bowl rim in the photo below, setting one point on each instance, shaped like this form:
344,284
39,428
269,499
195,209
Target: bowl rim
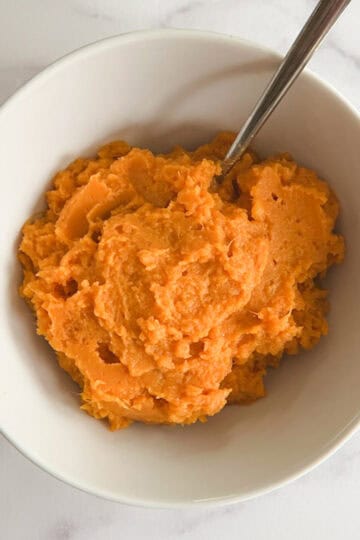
151,35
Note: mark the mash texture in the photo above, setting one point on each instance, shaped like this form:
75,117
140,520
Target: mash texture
165,296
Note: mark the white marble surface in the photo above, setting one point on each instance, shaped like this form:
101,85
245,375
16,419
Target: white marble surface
33,505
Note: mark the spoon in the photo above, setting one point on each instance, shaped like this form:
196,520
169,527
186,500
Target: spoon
315,29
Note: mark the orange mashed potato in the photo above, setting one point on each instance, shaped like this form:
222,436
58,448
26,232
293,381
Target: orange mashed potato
166,296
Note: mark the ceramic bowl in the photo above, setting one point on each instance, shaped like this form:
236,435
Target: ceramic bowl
158,89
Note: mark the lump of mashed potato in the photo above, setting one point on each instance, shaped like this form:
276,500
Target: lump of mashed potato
166,296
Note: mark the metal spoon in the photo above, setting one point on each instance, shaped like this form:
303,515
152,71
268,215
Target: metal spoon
317,26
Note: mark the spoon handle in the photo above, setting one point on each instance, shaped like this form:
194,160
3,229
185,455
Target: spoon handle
317,26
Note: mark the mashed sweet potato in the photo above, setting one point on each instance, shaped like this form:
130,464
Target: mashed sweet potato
166,296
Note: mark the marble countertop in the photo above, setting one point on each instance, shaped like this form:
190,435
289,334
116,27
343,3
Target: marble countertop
35,506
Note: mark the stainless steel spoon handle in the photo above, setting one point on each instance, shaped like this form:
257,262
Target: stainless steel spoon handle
310,37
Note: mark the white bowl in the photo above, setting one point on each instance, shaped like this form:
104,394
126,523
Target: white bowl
157,89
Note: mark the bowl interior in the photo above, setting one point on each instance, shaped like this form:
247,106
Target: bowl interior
159,89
